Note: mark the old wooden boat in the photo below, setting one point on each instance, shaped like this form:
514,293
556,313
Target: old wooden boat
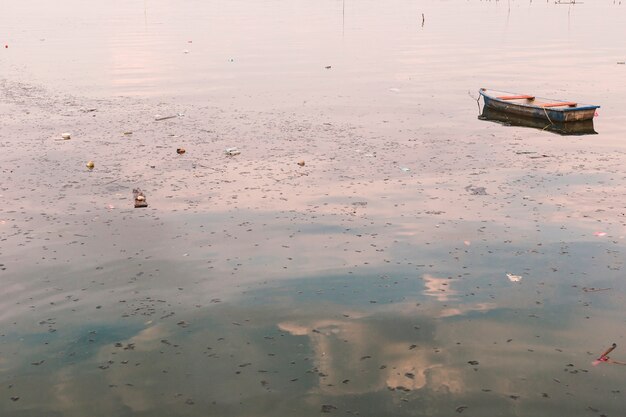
580,127
537,107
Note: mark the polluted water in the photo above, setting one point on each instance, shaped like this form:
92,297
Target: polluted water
318,223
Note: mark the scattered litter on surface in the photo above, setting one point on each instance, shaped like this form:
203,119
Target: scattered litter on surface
90,165
232,151
180,151
66,136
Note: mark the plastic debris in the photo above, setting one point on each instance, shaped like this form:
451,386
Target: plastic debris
158,117
66,136
405,169
140,198
301,163
514,278
599,234
232,151
90,165
180,151
604,357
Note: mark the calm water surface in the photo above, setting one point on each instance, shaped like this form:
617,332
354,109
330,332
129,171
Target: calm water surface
422,262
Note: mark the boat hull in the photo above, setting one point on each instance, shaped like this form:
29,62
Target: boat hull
526,109
580,127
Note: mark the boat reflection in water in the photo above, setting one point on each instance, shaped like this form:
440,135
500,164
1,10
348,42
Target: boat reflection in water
583,127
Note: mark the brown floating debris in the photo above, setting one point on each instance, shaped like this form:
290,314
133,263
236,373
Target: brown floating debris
140,198
301,163
180,151
592,289
90,165
476,190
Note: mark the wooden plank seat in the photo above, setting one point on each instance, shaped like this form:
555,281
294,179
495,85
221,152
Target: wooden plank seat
560,104
521,96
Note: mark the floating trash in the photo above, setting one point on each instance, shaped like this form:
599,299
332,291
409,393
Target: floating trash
301,163
140,198
599,234
232,151
180,151
90,165
66,136
476,190
159,117
514,278
605,358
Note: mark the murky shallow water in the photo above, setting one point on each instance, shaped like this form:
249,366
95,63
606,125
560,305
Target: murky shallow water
370,281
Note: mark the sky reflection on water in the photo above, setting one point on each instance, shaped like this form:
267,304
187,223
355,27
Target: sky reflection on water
372,280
